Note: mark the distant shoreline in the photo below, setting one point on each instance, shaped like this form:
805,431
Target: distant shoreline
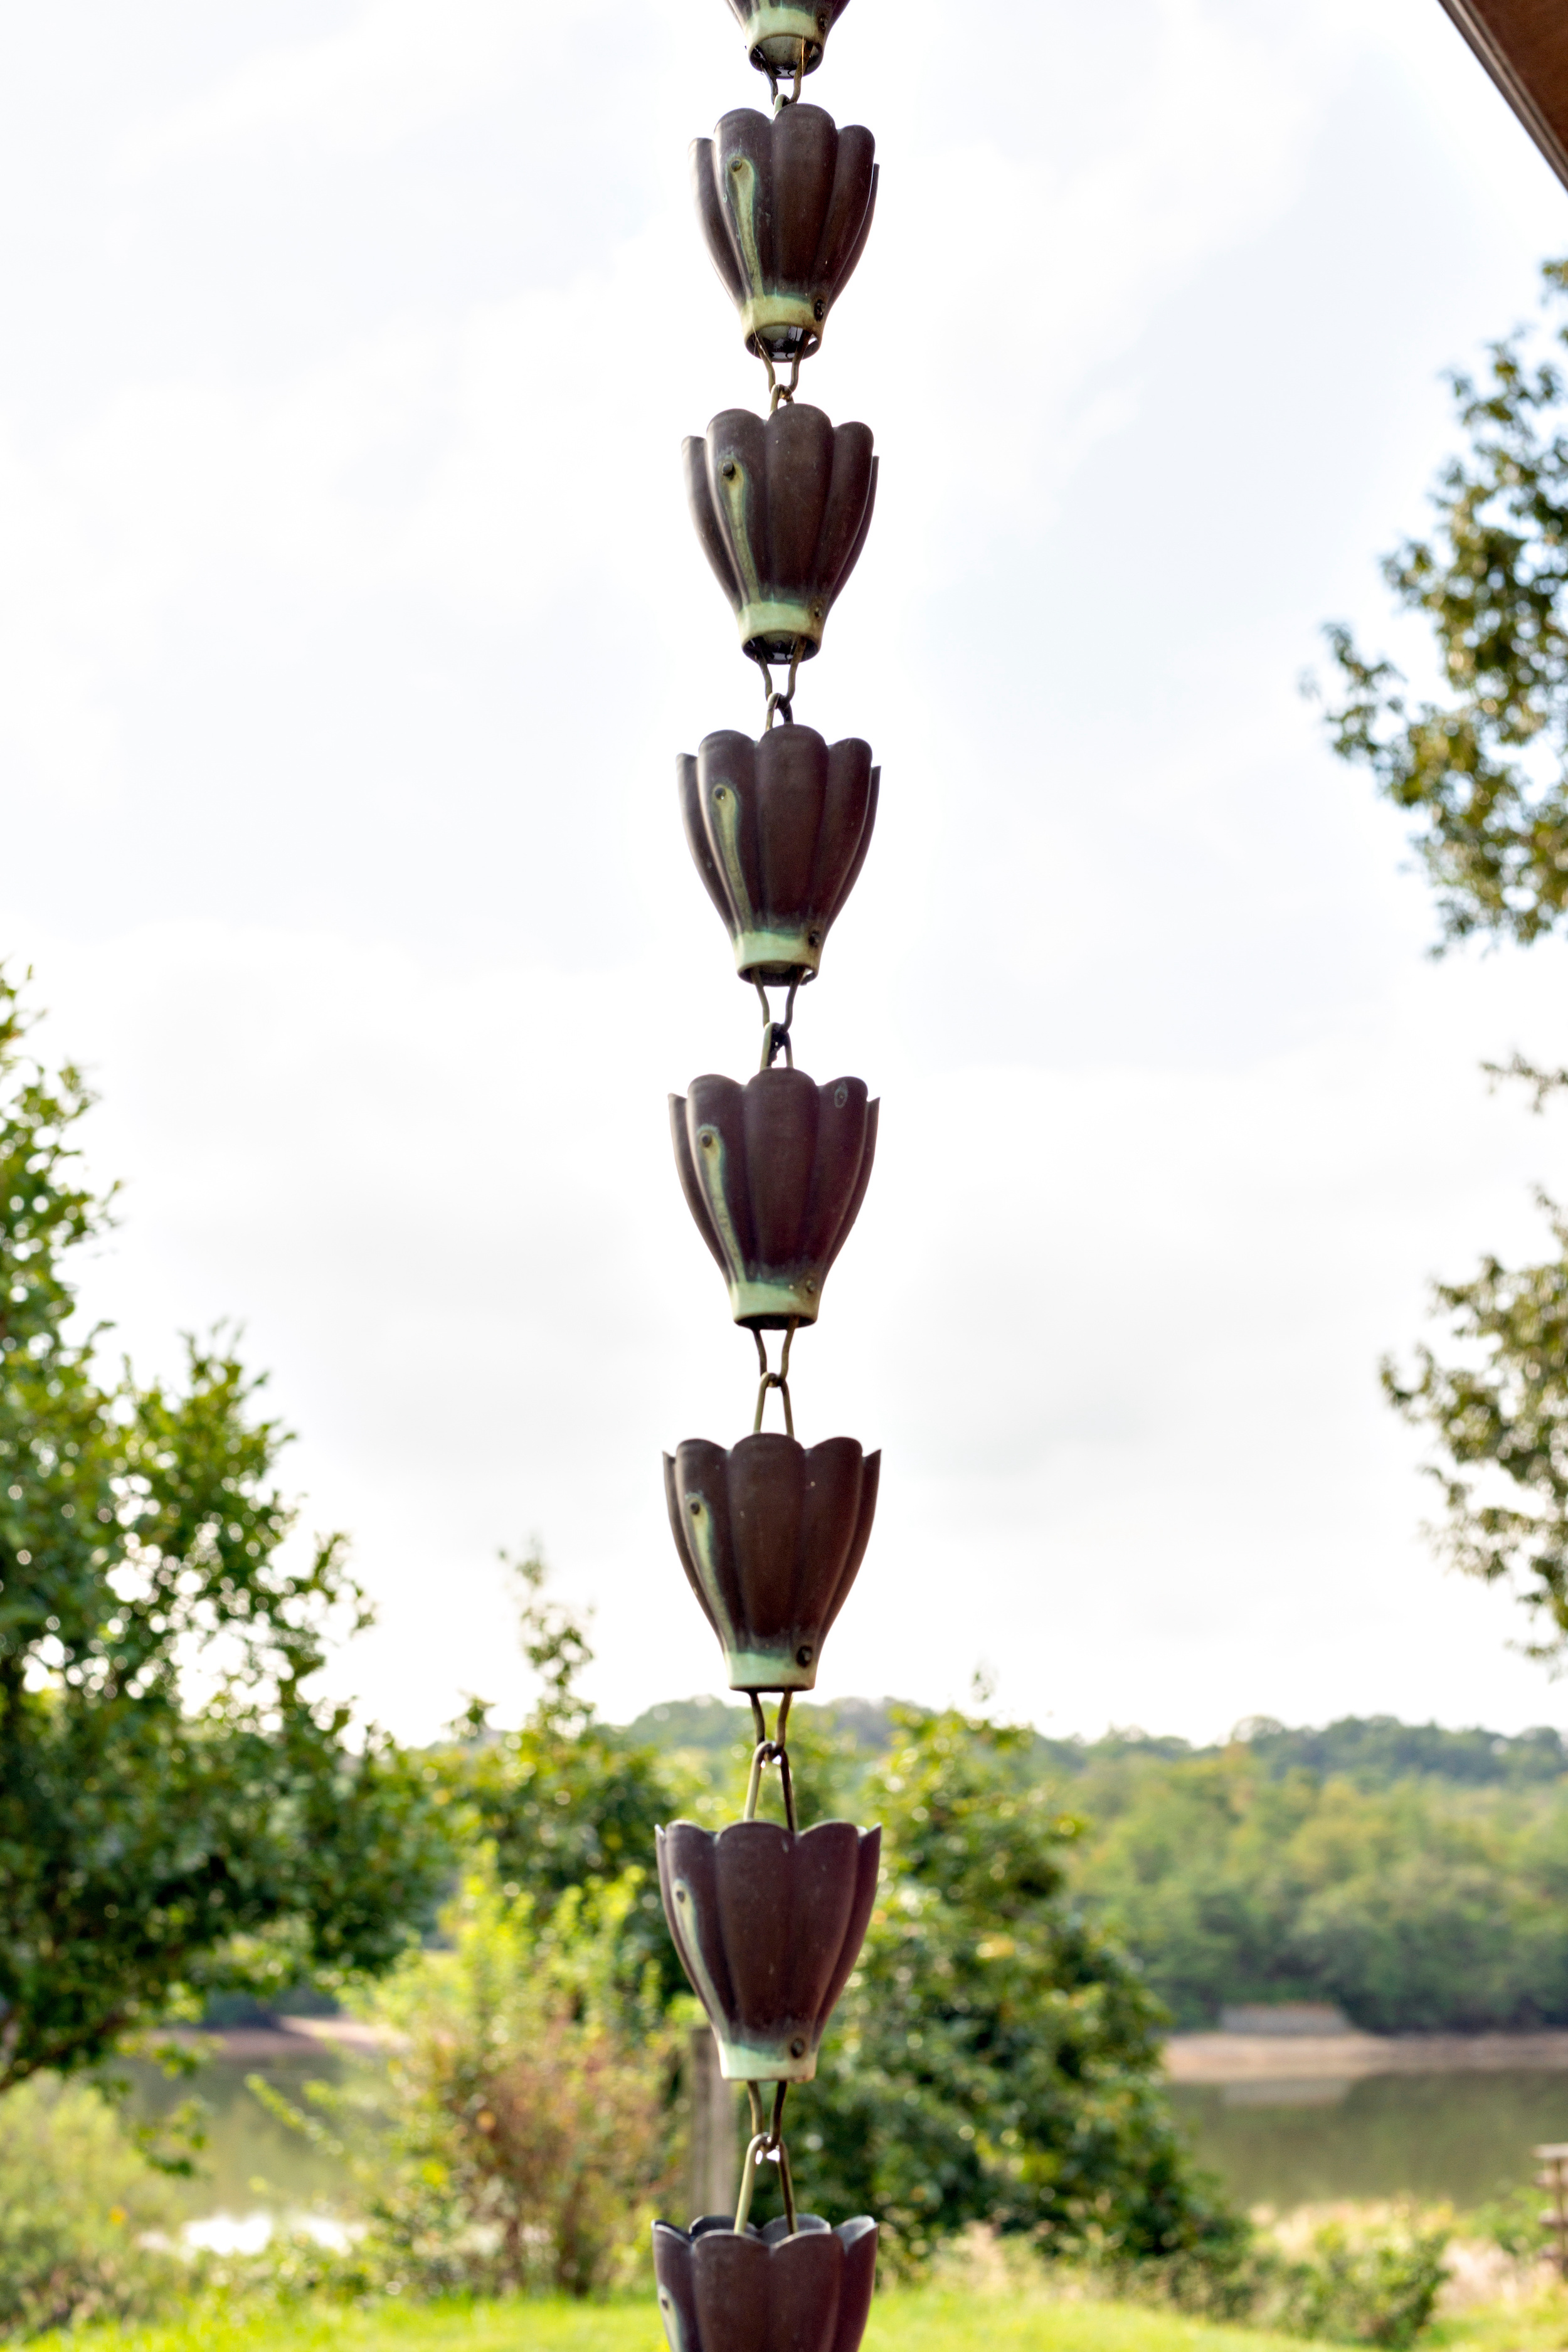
1345,2057
1189,2057
291,2037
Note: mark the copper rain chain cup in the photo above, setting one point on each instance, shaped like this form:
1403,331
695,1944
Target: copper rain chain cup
782,506
721,2290
768,1918
778,830
774,1173
768,1924
785,203
771,1534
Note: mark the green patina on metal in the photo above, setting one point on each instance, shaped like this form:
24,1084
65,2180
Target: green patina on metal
777,33
777,626
701,1530
767,315
691,1956
709,1163
733,491
742,183
771,1670
766,2062
726,823
778,955
772,1301
776,1301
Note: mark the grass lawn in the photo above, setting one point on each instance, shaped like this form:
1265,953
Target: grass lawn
1541,2324
932,2321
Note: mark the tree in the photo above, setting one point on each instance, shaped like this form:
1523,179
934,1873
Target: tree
1486,768
154,1847
997,2055
566,1802
1501,1420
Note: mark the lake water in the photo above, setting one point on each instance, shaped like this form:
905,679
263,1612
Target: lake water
1467,2138
1463,2137
253,2162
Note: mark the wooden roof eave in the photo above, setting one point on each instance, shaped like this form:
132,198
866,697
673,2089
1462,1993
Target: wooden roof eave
1523,45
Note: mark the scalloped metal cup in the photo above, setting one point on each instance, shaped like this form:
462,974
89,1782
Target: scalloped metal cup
771,1534
778,829
724,2290
785,203
768,1923
782,505
774,1173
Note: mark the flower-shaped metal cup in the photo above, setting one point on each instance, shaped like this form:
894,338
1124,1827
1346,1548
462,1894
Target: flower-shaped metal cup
774,1173
779,829
768,1923
782,505
771,1534
724,2290
787,37
785,202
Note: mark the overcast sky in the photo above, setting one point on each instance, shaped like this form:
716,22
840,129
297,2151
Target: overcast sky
350,620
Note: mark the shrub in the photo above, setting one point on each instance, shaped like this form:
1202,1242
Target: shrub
78,2202
517,2139
1379,2288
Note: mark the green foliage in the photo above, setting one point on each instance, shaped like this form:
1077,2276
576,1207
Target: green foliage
1486,767
1375,2281
1410,1874
1375,1751
150,1848
1415,1907
566,1803
718,1727
1501,1420
1517,2224
1376,2288
995,2054
76,2202
520,2140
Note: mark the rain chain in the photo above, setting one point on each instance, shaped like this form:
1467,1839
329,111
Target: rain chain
769,1920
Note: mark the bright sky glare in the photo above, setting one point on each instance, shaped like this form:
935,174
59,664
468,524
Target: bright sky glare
350,621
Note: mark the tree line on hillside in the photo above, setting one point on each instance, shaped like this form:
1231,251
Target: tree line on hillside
1411,1874
1373,1750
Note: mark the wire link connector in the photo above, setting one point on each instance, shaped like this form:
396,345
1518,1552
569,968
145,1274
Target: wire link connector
775,80
771,1380
780,705
777,1036
771,1751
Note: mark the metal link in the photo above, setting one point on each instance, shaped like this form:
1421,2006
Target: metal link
779,706
771,1751
780,101
766,2145
779,1379
780,393
776,1037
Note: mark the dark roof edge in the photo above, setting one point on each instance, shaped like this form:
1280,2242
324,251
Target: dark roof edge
1503,71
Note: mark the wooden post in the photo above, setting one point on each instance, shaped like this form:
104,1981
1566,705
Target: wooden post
713,2165
1554,2156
